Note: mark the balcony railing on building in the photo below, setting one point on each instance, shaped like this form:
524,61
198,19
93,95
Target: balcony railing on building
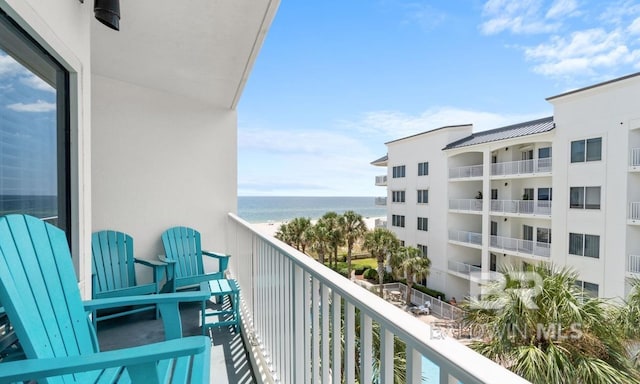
300,318
520,246
521,207
634,264
634,157
380,223
634,212
463,268
470,205
465,237
381,201
465,172
381,181
521,167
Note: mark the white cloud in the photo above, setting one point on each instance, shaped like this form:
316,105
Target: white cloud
39,106
519,17
583,52
561,8
634,28
35,82
9,67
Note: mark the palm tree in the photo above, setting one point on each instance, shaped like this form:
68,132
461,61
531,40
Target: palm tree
408,262
550,332
381,242
627,318
353,229
332,222
320,239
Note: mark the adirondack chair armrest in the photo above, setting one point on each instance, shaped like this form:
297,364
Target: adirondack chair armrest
164,259
150,262
158,268
222,258
35,369
165,298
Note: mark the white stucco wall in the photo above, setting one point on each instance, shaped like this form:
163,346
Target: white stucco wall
62,28
160,160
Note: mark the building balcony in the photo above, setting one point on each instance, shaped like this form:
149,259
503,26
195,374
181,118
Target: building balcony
381,201
292,306
633,265
381,181
466,205
521,208
523,168
462,269
634,213
634,160
473,239
380,223
466,172
520,247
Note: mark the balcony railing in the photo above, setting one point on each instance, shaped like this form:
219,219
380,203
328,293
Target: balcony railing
381,181
521,167
300,318
380,223
473,205
634,211
464,268
465,237
528,247
634,157
465,172
381,201
521,207
634,264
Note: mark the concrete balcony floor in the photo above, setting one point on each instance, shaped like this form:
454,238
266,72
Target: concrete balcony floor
229,360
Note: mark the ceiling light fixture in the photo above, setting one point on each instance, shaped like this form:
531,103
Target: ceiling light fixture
108,13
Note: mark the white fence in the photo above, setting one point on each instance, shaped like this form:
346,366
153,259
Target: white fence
521,246
521,167
381,201
473,205
522,207
461,267
465,172
299,318
634,157
381,180
634,264
634,211
465,237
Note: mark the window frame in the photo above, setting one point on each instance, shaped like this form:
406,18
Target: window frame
398,171
421,193
423,224
423,168
397,221
23,48
583,195
583,245
398,196
579,151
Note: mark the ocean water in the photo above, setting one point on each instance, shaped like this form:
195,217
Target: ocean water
261,209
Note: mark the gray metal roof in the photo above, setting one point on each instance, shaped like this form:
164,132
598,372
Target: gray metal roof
517,130
381,160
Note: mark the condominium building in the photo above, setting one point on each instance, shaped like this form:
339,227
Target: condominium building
490,195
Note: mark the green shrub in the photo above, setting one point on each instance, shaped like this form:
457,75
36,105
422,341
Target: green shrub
370,274
344,272
342,257
359,269
423,289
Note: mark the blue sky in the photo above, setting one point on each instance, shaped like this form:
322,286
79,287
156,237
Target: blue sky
336,79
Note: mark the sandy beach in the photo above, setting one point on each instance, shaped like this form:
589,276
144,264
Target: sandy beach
271,228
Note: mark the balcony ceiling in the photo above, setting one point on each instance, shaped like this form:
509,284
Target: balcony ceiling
199,49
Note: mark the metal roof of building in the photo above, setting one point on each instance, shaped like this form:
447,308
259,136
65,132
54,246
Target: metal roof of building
517,130
380,161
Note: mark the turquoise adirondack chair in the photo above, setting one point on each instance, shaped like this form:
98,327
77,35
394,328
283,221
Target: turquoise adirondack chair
183,255
39,291
114,273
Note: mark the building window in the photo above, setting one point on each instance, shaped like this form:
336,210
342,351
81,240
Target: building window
423,196
584,197
398,196
543,235
398,171
423,249
494,194
590,289
544,153
584,245
34,130
423,168
586,150
423,224
397,221
545,194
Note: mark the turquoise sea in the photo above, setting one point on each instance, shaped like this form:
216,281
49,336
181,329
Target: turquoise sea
261,209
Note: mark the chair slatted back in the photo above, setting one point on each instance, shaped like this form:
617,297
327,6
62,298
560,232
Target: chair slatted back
182,244
113,261
39,290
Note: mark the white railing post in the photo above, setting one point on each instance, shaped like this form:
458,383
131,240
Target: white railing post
386,356
634,158
349,343
336,323
366,348
634,210
634,264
